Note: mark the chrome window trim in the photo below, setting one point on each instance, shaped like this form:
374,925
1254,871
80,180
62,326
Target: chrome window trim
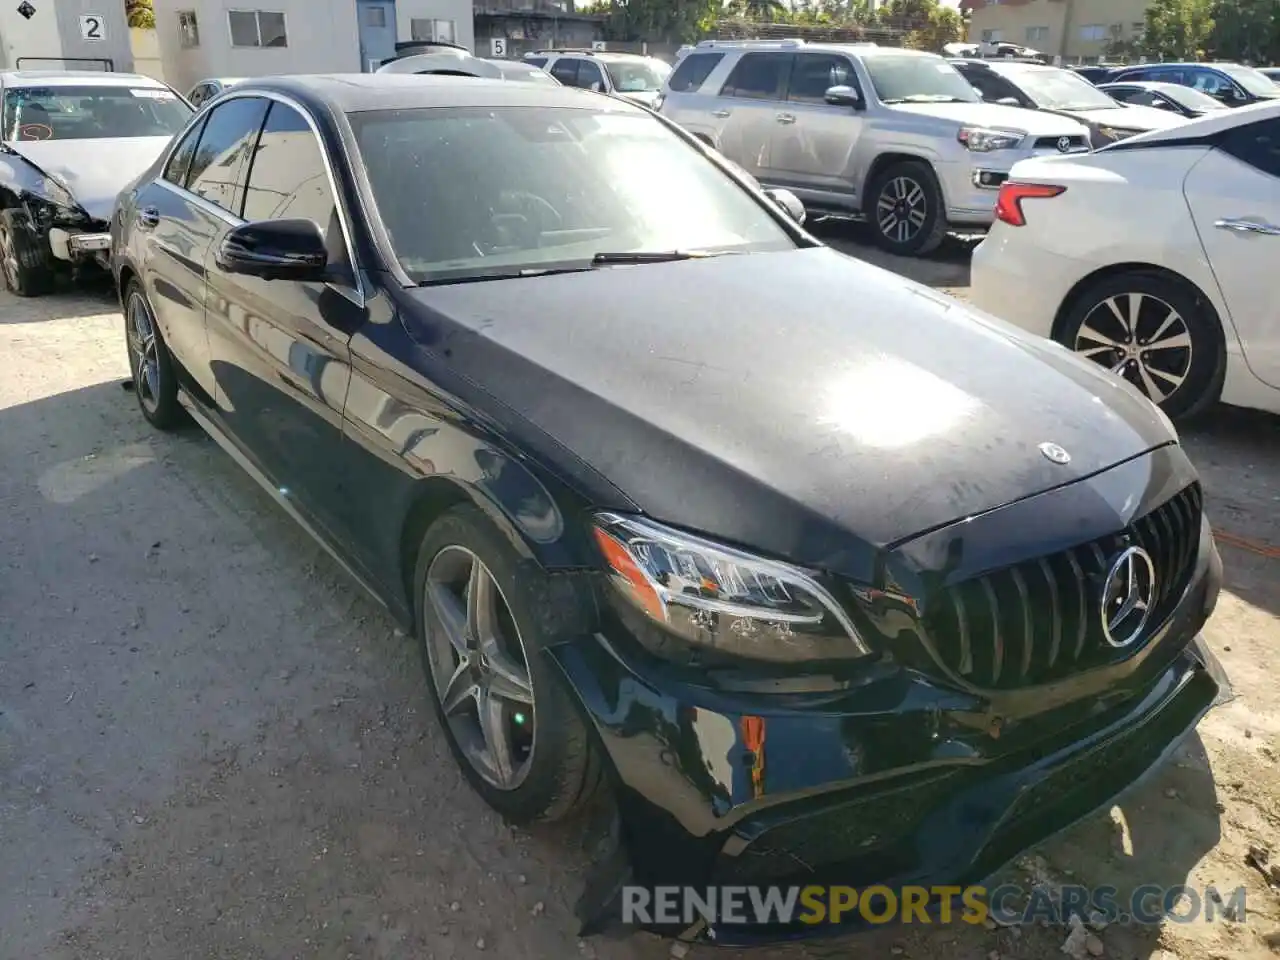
344,222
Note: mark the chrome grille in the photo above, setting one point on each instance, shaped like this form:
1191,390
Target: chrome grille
1078,142
1039,620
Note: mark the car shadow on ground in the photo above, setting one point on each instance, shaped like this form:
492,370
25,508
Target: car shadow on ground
947,268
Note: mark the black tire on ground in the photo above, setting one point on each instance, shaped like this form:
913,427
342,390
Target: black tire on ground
564,768
155,382
900,189
26,262
1176,355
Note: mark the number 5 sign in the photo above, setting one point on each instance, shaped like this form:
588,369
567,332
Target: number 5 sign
498,46
93,26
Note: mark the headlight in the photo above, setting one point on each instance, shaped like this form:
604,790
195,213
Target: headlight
984,140
56,193
715,598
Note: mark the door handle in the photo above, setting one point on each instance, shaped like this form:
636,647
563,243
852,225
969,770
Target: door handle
786,118
720,114
1248,226
148,217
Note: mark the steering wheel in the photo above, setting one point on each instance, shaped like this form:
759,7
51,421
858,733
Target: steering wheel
35,131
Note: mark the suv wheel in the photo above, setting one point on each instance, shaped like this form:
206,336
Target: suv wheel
904,208
26,260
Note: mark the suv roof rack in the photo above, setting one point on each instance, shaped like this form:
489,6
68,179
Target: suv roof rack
544,51
788,44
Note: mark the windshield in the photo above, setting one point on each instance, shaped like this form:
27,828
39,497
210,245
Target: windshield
483,192
1250,79
637,76
1191,98
91,112
899,78
1060,90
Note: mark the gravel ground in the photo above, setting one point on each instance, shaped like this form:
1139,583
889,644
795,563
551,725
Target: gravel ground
212,745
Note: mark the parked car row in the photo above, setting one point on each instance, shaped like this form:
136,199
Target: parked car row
1232,84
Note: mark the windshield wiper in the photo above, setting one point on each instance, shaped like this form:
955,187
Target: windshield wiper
513,274
928,98
607,258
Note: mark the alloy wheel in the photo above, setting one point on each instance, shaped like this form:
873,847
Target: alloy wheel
8,259
1141,338
902,209
480,668
144,353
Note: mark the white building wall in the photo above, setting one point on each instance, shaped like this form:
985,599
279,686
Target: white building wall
53,33
322,36
460,12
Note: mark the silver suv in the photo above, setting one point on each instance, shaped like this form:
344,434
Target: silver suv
896,137
630,75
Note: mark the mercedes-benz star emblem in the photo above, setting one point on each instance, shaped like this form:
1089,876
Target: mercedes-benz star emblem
1128,594
1064,144
1055,454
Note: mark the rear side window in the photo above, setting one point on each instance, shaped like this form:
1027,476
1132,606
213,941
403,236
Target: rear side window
813,74
566,71
218,169
179,165
589,76
693,71
759,76
1258,145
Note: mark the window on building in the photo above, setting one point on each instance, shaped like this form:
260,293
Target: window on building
1094,31
257,28
1139,27
1037,34
992,36
443,31
188,29
375,16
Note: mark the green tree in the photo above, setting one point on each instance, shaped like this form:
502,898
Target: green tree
1177,29
1247,30
140,14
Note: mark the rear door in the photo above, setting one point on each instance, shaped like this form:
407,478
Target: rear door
180,214
279,347
747,110
1234,196
814,142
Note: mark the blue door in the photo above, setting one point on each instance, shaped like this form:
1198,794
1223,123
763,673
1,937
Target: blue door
377,32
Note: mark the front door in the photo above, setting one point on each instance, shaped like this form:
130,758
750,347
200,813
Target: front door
1234,196
813,141
279,347
377,32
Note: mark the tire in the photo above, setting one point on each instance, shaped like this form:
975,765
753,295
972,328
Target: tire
908,186
1183,380
155,382
555,770
26,262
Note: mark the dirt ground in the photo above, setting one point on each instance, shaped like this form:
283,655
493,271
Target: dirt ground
212,745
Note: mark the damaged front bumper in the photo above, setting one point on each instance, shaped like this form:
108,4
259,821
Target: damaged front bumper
76,246
898,780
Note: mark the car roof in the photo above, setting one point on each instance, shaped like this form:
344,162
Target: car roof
359,92
1199,130
76,78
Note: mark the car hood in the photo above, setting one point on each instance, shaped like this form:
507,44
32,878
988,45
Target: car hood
785,401
94,171
1034,122
1135,117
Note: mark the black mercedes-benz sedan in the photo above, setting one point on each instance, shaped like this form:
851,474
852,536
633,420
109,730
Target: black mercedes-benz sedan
807,572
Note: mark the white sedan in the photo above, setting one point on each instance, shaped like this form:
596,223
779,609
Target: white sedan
1156,257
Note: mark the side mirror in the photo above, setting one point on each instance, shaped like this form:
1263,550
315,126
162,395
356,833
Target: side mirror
275,250
843,96
789,202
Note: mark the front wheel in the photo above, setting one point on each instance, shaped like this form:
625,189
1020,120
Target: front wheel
1154,331
25,257
484,617
905,209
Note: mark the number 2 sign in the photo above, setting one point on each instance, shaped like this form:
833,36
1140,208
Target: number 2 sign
93,27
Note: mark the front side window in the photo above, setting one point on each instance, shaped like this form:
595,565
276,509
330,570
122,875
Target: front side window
499,190
904,78
287,177
565,70
589,76
92,112
637,76
1252,80
759,76
257,28
813,74
217,170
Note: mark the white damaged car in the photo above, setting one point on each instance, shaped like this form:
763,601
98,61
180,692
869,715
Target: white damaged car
70,141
